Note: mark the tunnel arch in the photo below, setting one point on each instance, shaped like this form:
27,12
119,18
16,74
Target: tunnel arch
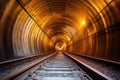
30,27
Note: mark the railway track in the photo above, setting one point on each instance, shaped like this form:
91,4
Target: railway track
10,69
98,69
54,66
58,67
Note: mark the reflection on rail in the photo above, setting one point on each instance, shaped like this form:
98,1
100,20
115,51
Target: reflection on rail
58,65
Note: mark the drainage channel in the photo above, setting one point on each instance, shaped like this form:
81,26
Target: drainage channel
59,67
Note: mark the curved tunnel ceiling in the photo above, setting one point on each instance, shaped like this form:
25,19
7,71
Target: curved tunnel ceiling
37,25
57,15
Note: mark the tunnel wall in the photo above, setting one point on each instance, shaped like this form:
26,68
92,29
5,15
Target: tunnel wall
23,35
100,38
19,34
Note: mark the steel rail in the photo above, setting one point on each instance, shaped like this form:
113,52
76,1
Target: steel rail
95,74
21,70
8,63
58,66
116,63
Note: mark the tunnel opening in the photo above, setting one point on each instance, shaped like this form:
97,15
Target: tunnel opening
60,46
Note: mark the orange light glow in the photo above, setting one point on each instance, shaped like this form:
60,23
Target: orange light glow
68,39
83,22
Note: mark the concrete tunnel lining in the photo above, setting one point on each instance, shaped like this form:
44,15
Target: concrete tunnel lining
54,21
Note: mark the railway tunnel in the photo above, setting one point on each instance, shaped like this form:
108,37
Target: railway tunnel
87,28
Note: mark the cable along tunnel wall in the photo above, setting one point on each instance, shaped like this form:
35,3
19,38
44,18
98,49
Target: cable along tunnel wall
19,33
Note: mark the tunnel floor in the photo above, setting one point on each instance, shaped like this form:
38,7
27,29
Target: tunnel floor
59,68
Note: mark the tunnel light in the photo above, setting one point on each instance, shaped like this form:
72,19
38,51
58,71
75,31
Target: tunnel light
60,48
83,22
68,39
